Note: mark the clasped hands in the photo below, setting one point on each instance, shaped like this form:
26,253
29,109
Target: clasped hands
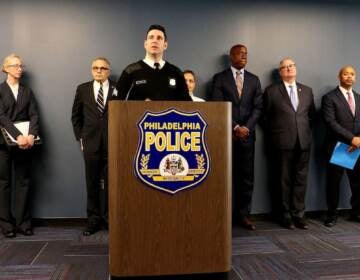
355,144
241,133
25,142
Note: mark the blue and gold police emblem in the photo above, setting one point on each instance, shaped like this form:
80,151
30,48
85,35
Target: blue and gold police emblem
172,155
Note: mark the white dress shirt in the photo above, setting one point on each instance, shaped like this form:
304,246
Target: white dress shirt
195,98
151,62
287,86
234,71
15,90
344,91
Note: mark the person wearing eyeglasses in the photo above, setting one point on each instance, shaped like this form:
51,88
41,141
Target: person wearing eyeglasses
288,113
89,119
152,78
190,81
340,109
17,104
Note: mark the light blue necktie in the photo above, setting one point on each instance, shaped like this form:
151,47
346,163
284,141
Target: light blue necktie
293,98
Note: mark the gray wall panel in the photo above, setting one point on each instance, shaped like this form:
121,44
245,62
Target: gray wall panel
58,41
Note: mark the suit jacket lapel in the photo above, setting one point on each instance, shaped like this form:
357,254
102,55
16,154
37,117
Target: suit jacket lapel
245,87
285,94
231,82
110,92
21,96
92,96
342,99
300,96
8,92
8,95
357,104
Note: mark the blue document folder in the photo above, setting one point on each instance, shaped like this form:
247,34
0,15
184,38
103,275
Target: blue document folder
343,158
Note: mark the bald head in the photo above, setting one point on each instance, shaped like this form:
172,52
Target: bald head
347,77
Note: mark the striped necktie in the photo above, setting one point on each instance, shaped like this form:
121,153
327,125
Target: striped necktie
100,99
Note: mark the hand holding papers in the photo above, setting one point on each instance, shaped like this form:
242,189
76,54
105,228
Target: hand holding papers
23,127
343,157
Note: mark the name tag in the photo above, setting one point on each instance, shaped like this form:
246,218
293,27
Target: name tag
140,82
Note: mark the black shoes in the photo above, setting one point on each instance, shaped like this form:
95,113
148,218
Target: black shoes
300,223
292,222
330,220
355,218
91,229
246,223
9,233
12,233
288,223
26,232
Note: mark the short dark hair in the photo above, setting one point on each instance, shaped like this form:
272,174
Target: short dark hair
190,72
157,27
233,48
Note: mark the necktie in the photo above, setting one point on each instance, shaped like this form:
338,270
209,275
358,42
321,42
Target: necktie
350,100
239,83
100,99
157,66
293,98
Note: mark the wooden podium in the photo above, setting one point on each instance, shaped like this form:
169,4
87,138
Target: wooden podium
155,233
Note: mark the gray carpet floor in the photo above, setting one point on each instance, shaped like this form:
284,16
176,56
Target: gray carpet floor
270,252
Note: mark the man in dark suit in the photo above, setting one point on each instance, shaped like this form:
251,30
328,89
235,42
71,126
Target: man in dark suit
17,104
243,90
289,110
89,120
341,112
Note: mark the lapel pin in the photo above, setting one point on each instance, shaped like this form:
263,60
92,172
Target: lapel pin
115,92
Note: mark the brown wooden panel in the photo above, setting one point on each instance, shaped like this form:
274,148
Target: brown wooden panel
155,233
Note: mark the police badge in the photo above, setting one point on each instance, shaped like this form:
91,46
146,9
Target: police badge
172,155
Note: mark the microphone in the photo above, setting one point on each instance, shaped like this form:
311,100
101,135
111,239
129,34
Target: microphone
129,91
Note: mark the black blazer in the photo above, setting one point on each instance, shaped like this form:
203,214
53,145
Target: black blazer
285,125
246,110
340,122
22,109
88,123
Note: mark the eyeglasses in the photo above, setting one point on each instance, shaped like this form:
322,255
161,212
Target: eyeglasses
95,68
17,66
290,66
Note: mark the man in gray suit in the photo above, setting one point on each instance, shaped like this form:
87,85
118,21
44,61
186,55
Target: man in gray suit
340,108
289,108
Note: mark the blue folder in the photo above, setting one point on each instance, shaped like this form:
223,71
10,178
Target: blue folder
343,158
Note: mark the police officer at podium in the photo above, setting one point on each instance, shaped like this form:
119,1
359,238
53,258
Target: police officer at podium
152,78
